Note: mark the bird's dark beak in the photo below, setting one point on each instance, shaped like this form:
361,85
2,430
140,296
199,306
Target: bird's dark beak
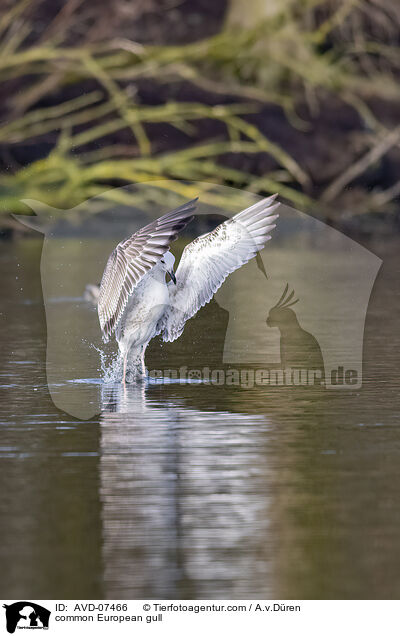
172,276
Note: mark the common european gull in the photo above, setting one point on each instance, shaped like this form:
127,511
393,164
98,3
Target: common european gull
135,301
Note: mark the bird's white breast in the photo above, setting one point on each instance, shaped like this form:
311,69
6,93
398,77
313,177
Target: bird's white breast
144,309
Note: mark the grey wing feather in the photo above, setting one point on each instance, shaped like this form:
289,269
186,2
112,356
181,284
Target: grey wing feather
132,259
209,259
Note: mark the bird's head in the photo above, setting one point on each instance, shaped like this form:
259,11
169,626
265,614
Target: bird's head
281,314
279,317
167,263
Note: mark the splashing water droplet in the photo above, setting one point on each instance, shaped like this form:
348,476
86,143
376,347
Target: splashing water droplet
110,364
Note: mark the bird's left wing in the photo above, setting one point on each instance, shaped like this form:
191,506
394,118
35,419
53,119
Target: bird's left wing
132,259
209,259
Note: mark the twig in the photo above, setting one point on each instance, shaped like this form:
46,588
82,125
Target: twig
383,198
360,166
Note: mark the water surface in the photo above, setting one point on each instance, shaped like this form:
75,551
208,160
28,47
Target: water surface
190,490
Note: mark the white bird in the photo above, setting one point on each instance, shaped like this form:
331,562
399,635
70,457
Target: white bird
135,300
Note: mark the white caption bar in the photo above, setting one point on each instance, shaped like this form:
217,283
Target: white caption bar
149,617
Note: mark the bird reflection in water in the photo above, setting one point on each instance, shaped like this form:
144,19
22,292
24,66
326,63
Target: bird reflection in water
184,514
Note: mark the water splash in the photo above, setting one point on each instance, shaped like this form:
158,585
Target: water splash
111,364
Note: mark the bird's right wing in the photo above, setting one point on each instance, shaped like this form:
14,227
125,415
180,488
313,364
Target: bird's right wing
209,259
132,259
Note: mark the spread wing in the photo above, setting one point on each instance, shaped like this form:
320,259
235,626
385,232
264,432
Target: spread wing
209,259
132,259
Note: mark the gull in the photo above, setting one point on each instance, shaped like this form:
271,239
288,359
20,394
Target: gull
136,303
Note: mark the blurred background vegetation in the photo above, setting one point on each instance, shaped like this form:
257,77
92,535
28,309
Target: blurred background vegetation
299,97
